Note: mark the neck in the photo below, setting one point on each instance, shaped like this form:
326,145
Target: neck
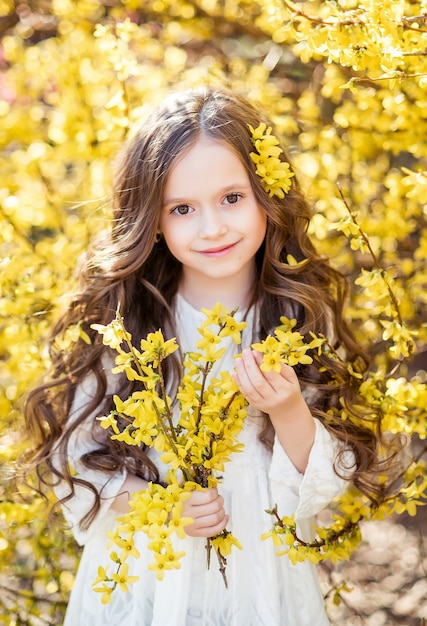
206,294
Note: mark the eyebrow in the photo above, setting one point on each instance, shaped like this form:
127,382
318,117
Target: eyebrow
228,189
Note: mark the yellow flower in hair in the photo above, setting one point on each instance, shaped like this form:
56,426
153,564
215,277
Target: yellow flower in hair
275,174
258,133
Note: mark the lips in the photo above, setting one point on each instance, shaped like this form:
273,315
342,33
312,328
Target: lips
218,250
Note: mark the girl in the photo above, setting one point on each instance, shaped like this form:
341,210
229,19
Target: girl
195,223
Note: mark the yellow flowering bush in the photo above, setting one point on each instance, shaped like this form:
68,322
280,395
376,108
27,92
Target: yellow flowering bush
384,394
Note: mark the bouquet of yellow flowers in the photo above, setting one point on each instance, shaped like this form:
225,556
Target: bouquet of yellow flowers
195,445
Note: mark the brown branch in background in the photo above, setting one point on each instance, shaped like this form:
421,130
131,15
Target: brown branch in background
406,22
416,53
374,257
415,18
335,535
327,569
399,76
401,475
24,594
8,21
310,18
20,233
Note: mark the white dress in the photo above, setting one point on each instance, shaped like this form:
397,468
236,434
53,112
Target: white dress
263,589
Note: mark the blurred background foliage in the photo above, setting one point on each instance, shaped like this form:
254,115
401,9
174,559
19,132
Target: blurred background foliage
345,83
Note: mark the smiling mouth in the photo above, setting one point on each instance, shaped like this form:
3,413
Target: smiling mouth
218,251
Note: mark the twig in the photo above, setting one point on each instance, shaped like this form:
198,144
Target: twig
401,474
399,76
374,257
206,371
164,396
318,543
222,561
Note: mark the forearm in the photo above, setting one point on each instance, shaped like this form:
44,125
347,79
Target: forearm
295,431
131,485
306,495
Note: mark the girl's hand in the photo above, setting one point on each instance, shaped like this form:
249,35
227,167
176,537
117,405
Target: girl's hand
278,394
207,510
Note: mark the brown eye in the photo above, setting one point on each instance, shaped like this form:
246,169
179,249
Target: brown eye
182,209
232,198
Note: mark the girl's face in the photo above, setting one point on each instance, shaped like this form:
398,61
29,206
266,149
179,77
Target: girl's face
210,218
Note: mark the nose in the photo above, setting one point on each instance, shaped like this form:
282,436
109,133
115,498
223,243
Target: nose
212,224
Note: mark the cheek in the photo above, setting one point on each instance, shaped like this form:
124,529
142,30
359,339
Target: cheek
168,236
175,238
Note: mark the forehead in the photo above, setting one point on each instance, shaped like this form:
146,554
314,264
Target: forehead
213,162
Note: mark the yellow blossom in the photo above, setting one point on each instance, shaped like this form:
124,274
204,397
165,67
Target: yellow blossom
271,361
155,348
232,329
158,529
174,459
224,542
214,316
275,174
113,334
208,340
71,335
161,564
109,421
101,576
128,548
291,260
274,534
178,523
287,346
172,557
122,577
107,593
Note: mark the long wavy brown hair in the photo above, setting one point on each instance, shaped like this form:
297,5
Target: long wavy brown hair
131,269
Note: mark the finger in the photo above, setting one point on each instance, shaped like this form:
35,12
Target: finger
258,356
287,372
249,374
254,383
210,521
210,529
197,509
287,375
204,496
210,508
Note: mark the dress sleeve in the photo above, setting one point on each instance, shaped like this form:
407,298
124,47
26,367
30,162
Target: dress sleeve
108,485
307,494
